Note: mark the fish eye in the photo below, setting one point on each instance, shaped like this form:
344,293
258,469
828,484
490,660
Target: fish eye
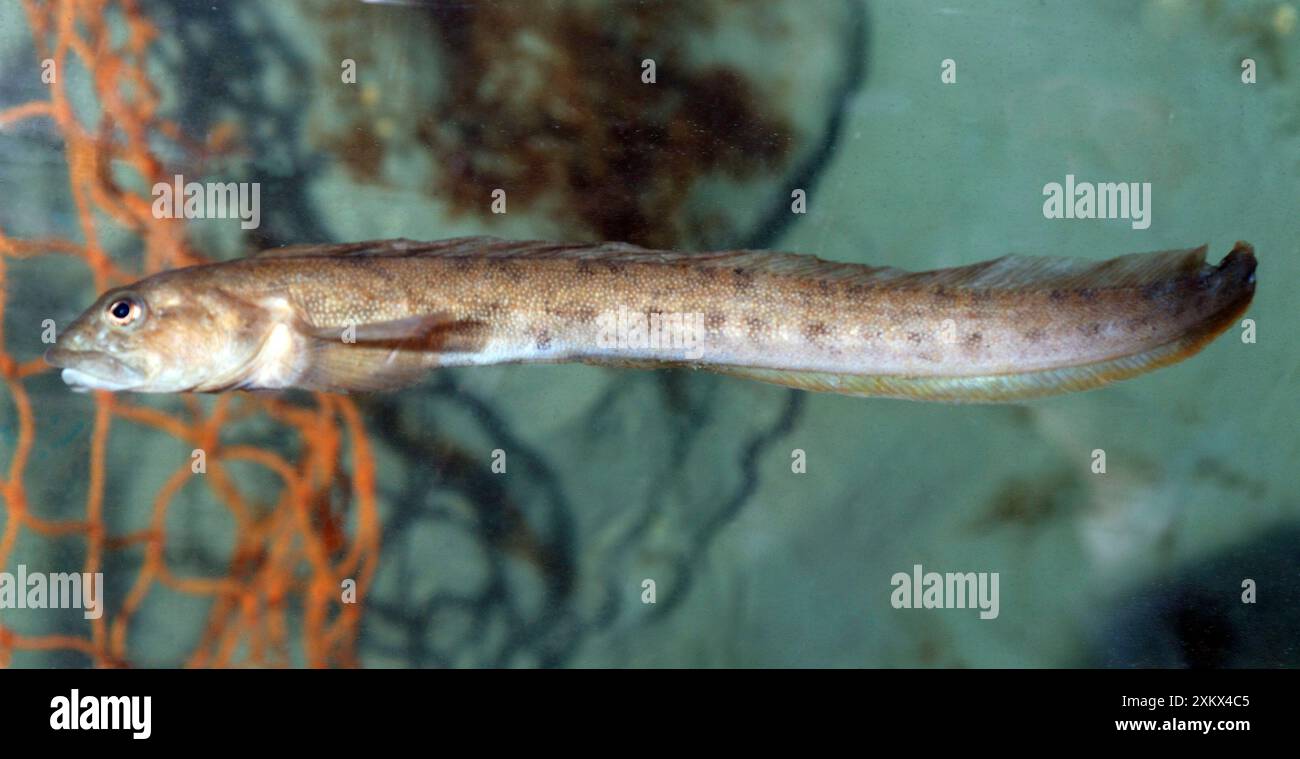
123,311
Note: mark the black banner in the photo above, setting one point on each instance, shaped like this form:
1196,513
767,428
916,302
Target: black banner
256,708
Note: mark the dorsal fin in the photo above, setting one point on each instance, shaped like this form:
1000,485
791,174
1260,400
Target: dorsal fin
1016,272
1013,272
750,261
396,247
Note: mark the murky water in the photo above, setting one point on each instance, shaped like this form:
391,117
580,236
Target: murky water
577,516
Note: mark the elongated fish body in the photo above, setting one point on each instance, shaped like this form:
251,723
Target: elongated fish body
379,315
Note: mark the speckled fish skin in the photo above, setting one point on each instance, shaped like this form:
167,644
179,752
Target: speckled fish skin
1002,330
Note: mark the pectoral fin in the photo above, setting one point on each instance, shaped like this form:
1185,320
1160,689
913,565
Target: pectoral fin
385,355
438,333
338,367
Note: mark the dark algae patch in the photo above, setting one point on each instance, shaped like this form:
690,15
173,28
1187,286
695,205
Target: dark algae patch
549,104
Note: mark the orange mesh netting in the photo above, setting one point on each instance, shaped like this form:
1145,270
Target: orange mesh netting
323,528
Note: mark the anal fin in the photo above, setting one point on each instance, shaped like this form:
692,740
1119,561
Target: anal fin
986,388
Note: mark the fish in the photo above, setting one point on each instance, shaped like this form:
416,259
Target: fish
380,315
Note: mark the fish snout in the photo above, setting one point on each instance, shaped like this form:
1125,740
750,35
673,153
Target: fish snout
71,341
92,368
58,356
69,351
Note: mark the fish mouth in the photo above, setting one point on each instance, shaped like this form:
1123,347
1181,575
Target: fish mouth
93,370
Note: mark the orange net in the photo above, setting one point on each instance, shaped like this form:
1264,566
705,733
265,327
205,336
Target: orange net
323,528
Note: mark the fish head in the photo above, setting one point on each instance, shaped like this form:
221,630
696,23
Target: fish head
164,334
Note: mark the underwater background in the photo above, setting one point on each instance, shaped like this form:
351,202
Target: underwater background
616,478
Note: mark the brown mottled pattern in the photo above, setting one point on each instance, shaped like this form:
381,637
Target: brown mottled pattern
751,318
542,305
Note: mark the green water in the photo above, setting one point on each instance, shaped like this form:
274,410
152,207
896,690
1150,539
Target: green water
686,479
